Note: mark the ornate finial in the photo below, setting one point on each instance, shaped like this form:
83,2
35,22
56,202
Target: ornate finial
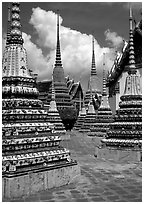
80,100
8,25
132,67
104,79
53,90
15,34
90,91
58,53
83,103
93,67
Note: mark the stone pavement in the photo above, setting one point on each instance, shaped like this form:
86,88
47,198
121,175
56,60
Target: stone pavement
100,180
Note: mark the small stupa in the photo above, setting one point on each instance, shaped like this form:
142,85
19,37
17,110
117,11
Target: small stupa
81,118
104,114
53,114
89,118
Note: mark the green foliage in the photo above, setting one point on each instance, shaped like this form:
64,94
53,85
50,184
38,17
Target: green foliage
69,117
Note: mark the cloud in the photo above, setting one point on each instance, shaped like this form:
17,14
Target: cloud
36,61
76,48
134,5
113,39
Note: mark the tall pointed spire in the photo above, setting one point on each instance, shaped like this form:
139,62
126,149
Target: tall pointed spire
93,83
8,24
93,67
15,34
63,99
132,67
58,52
104,100
104,93
53,90
132,86
91,95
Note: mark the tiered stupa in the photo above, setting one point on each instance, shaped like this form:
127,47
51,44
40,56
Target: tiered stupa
53,114
94,84
62,96
32,158
81,118
125,134
104,116
90,117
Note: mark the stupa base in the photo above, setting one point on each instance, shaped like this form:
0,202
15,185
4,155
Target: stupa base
18,185
118,154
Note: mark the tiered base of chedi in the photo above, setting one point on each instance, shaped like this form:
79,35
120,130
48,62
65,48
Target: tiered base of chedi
89,118
80,119
53,114
32,158
124,139
102,122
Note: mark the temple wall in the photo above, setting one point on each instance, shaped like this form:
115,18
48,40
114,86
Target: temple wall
122,83
115,99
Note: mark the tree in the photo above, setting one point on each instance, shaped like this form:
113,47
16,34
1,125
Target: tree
69,117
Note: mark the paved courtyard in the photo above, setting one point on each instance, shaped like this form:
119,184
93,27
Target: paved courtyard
100,180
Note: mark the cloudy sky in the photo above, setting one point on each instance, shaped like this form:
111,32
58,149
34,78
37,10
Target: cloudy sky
107,21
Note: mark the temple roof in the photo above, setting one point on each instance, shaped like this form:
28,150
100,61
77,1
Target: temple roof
44,86
123,58
74,89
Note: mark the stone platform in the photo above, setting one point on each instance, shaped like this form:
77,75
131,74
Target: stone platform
118,155
31,182
100,180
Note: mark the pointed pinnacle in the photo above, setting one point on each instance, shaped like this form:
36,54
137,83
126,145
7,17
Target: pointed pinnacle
132,67
58,52
104,79
53,90
8,24
93,66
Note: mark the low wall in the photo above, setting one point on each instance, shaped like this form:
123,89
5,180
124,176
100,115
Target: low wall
17,186
120,155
